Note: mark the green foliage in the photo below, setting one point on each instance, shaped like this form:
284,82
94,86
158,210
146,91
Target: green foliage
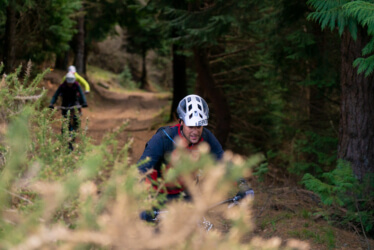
335,185
340,188
58,26
322,236
261,171
193,25
314,154
331,14
144,33
126,80
348,14
43,28
102,16
297,91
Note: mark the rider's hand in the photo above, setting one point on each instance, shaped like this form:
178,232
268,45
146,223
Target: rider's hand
51,106
244,190
84,106
243,194
86,92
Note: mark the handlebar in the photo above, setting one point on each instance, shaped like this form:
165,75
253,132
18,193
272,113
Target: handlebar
69,108
234,200
231,201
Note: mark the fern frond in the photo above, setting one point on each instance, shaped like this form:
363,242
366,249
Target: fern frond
363,12
369,48
329,14
364,65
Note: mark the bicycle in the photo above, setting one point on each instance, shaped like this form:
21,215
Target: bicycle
73,120
157,215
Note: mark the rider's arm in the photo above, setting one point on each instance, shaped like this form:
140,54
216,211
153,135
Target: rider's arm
216,149
154,149
83,82
55,96
82,98
215,146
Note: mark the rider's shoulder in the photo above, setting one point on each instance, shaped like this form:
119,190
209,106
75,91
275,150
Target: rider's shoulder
208,136
167,132
206,133
168,129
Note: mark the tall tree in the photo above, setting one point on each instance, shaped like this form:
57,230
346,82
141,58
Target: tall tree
208,85
356,136
40,30
144,34
179,79
10,37
79,43
179,62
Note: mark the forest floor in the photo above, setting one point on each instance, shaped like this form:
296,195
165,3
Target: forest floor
283,211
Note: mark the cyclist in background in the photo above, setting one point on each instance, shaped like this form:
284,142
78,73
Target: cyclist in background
193,115
79,79
72,95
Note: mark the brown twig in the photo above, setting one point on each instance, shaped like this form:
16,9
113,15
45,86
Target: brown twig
34,97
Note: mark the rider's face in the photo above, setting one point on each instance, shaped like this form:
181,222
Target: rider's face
192,133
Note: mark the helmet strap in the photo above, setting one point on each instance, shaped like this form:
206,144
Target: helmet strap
181,128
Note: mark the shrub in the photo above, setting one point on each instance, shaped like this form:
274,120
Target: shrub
340,189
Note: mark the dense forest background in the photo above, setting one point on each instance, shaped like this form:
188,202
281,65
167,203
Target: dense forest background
291,79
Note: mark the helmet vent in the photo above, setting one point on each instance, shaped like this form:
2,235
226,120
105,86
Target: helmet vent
193,110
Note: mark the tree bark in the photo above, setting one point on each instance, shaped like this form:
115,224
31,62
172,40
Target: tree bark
62,61
143,78
356,133
9,58
79,45
219,103
179,80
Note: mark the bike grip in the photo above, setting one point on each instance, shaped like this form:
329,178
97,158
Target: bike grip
250,193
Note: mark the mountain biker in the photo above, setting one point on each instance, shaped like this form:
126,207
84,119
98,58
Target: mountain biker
69,91
193,113
79,79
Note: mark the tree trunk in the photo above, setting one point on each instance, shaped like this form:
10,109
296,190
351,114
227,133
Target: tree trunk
215,95
143,78
79,45
62,61
86,51
179,80
10,37
356,133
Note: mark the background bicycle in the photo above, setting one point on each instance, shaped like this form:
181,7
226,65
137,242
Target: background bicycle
73,114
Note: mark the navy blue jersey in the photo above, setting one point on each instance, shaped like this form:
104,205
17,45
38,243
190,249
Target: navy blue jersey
162,144
71,95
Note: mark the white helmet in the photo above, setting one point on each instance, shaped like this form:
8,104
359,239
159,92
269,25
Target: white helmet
70,77
72,69
193,110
